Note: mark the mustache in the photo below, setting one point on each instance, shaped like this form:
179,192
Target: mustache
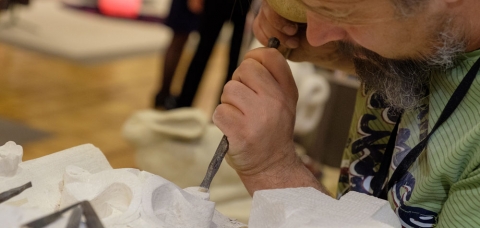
360,54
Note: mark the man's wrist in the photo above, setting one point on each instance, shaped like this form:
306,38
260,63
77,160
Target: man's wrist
287,175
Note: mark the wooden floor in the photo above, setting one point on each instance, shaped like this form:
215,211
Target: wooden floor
86,103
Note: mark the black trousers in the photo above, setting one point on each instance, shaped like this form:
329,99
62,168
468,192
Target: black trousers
215,14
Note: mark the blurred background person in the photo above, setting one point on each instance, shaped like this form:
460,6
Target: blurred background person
214,13
183,19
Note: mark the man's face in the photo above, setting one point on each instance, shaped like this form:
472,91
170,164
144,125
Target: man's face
393,53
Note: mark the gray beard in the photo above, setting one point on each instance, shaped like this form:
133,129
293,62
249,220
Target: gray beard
403,83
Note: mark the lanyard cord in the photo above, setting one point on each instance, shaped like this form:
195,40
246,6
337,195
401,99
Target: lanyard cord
379,179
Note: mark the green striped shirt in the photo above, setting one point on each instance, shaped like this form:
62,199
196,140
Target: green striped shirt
442,187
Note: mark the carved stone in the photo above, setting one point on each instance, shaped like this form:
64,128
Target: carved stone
120,197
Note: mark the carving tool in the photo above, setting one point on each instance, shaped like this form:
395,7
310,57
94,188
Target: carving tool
223,145
4,196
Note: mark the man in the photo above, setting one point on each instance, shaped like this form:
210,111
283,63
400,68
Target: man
411,56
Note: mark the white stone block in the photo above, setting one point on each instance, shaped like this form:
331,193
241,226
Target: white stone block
46,175
121,197
308,207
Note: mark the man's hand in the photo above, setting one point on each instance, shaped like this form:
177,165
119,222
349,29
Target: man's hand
195,6
257,115
268,24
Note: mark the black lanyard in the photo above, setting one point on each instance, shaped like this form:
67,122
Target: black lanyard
378,180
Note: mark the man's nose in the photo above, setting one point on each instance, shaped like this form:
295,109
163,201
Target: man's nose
321,31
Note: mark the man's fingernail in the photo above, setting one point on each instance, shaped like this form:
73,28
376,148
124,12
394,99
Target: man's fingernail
292,43
290,29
